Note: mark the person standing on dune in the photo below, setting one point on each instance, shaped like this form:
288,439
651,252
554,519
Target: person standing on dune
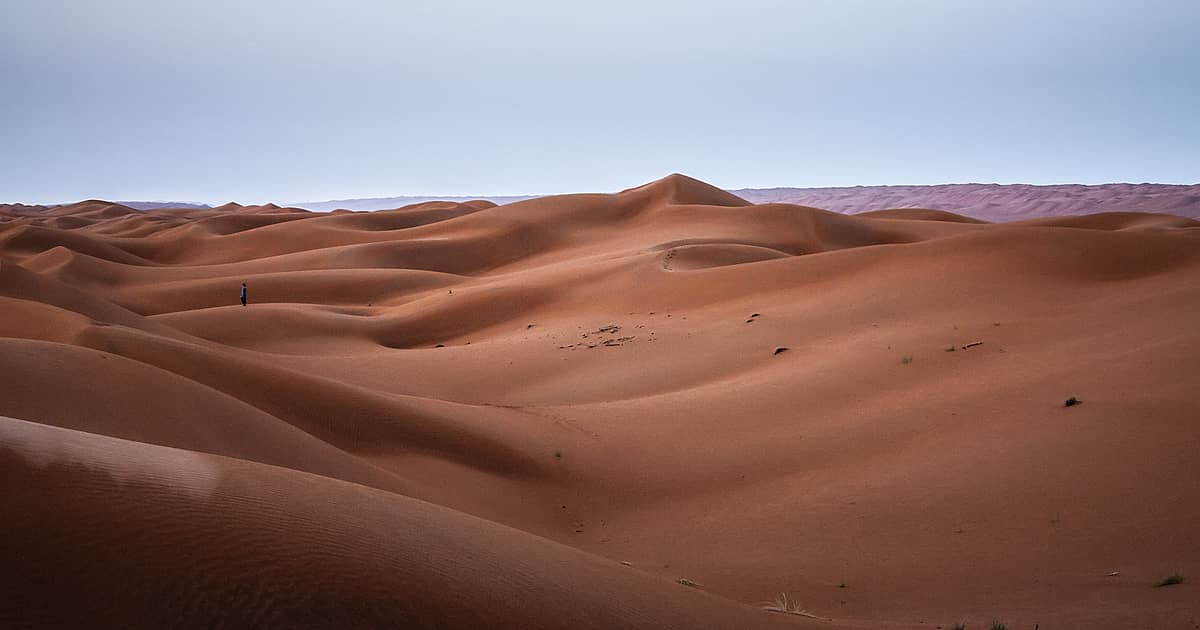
243,294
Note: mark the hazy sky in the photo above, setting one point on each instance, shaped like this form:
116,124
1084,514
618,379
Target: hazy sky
293,100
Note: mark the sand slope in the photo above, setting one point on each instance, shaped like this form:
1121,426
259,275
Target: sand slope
158,537
459,415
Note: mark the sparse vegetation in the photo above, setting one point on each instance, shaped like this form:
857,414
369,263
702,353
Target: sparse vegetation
687,582
1072,401
997,625
906,359
959,626
784,605
951,349
1171,580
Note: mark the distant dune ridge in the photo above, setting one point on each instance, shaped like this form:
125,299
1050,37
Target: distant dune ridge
994,202
156,205
573,412
388,203
990,202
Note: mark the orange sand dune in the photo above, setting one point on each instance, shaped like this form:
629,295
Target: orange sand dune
182,539
655,409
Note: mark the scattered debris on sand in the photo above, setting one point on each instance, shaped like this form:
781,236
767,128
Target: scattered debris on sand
603,330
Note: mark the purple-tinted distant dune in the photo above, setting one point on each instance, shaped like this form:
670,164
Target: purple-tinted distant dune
993,202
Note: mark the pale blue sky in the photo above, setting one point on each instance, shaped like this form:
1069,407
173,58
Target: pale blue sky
286,100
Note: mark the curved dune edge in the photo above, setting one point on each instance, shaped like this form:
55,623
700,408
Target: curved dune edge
918,214
180,539
756,398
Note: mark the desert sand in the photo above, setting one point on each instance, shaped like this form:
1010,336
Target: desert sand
990,202
653,409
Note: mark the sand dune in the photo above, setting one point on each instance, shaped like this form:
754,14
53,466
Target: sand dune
994,202
205,541
656,409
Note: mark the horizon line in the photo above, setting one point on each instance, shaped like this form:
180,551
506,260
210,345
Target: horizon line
482,196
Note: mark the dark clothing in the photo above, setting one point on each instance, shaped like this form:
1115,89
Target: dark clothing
243,295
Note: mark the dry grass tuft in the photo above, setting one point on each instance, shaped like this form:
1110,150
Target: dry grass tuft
783,604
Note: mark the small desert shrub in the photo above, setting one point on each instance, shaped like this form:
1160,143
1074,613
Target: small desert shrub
997,625
1171,580
959,626
1072,401
951,349
906,359
783,604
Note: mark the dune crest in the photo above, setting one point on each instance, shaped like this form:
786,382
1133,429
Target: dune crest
658,408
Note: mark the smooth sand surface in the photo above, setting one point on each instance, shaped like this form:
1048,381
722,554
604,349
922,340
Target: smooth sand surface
574,412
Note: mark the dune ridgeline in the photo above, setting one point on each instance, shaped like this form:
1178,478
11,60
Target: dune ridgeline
662,408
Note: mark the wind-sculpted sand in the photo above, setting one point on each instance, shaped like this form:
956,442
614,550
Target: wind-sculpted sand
575,412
